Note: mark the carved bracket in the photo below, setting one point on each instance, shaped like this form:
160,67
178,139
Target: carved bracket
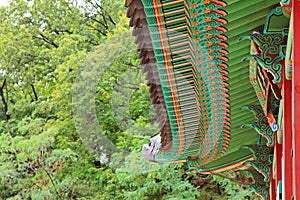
286,6
263,158
271,46
259,186
262,126
262,85
271,53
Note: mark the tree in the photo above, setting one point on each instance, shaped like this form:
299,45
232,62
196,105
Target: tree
44,47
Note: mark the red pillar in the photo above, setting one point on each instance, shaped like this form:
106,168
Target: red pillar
278,171
296,99
287,141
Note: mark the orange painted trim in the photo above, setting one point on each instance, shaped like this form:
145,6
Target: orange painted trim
229,167
165,53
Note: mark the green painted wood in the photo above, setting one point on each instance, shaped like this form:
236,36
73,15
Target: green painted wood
243,17
227,160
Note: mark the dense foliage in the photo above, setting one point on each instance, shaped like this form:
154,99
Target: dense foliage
48,50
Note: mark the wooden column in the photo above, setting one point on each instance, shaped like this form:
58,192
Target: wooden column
287,141
296,99
278,148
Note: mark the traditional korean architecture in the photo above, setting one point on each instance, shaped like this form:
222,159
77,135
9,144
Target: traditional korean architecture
225,84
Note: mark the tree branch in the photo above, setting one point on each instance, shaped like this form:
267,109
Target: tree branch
104,17
111,20
47,40
99,31
99,22
61,31
4,101
101,13
34,92
51,179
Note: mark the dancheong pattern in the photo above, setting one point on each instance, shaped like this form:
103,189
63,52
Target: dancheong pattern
192,53
192,75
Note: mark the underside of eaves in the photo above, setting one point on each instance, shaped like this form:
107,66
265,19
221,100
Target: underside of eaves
199,85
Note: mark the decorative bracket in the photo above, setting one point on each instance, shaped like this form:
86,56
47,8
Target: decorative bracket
286,6
264,125
271,53
271,46
261,83
263,159
259,186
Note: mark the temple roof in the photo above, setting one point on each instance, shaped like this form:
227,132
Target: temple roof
192,57
138,20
